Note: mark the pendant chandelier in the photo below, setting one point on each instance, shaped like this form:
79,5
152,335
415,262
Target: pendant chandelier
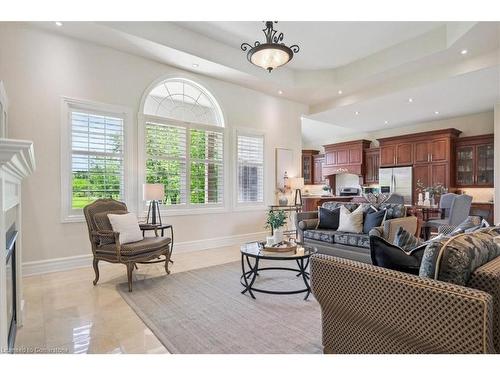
271,54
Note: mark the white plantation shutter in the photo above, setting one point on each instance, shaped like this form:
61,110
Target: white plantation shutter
166,160
96,157
206,166
250,169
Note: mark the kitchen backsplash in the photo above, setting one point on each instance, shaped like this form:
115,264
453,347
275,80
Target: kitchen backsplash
479,194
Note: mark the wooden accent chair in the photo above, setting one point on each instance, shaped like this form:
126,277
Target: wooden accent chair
106,243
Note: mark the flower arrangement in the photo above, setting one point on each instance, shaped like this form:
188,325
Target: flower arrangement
434,190
275,219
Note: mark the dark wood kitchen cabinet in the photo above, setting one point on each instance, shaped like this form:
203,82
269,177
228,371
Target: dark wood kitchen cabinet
318,161
345,157
308,165
474,161
372,164
396,154
433,151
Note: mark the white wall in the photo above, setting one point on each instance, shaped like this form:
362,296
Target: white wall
474,124
38,67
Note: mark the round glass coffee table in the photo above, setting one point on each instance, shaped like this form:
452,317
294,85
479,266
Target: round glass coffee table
255,251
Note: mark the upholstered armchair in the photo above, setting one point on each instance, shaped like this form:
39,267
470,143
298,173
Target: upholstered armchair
106,243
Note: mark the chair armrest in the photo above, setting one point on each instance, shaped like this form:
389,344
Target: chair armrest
107,236
487,279
409,223
368,309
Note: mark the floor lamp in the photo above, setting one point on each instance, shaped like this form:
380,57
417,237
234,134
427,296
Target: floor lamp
154,193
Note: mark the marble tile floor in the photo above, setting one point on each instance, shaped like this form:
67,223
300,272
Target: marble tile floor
65,313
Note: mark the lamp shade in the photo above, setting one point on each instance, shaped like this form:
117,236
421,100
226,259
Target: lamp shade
296,183
153,192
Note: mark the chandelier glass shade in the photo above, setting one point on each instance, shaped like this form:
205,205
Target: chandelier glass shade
271,54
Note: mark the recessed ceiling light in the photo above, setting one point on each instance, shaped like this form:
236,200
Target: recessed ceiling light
356,113
195,65
59,23
464,52
410,100
340,92
280,92
386,122
436,112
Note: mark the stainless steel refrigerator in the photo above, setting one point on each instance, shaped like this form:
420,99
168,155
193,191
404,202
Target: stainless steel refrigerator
397,180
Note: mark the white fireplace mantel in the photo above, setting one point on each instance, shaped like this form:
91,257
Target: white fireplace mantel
17,157
17,161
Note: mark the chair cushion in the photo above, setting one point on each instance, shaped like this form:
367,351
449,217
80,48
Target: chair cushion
328,219
387,255
352,239
323,235
147,245
351,222
406,240
128,227
454,259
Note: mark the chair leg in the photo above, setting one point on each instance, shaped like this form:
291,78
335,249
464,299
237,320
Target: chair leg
167,261
130,269
95,263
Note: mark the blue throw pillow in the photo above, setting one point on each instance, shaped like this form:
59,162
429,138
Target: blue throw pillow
373,219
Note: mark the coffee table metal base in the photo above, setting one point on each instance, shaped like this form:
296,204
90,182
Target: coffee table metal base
248,277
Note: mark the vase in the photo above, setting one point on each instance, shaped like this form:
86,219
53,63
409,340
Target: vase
427,202
283,200
278,236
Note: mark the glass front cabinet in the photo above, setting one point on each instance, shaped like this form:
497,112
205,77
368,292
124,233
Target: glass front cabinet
474,161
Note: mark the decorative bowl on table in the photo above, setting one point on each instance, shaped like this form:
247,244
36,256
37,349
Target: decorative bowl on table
281,247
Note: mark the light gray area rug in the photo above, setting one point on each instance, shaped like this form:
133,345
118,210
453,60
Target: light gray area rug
203,311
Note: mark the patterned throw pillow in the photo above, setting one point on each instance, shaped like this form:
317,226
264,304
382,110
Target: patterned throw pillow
406,240
351,222
454,259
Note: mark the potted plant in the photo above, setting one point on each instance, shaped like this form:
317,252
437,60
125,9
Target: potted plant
276,220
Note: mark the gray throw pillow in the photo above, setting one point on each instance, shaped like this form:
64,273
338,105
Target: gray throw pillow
406,240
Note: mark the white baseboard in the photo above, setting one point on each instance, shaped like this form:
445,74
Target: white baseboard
79,261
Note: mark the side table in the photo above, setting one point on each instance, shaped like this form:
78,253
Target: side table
151,227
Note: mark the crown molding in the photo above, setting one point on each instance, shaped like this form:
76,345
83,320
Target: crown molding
17,157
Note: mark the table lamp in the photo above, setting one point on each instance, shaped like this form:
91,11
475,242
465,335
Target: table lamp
297,183
153,193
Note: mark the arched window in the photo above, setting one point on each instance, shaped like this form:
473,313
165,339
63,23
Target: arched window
184,143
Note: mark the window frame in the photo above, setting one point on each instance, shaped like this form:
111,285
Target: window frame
244,206
68,105
187,208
